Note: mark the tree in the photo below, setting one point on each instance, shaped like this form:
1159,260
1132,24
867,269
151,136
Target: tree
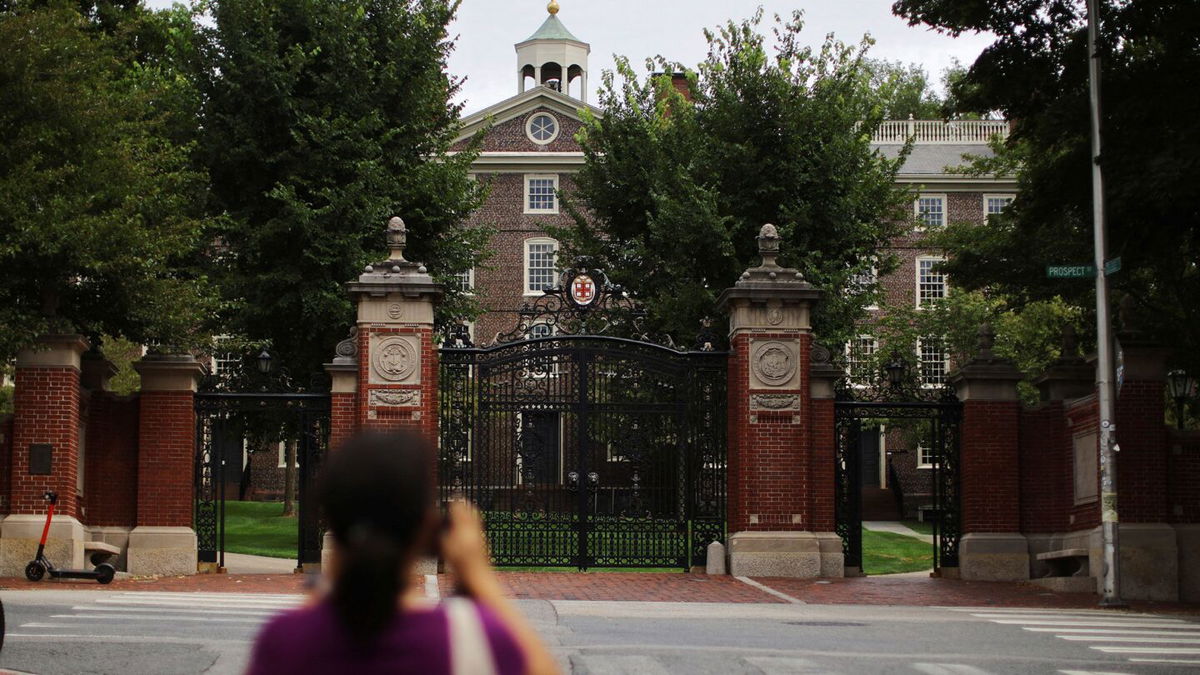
324,118
1035,73
100,212
677,189
904,91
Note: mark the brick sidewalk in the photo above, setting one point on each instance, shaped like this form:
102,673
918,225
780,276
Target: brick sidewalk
667,587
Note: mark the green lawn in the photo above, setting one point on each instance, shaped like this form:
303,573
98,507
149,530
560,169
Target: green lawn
257,528
888,553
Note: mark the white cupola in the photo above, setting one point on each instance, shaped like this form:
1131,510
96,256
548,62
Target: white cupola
554,58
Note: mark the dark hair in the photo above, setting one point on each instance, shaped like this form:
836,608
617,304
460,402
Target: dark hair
376,492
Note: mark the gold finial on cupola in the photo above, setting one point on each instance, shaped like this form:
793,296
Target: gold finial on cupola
553,7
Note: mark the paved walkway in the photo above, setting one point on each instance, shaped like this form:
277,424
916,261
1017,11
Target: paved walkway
665,587
896,527
240,563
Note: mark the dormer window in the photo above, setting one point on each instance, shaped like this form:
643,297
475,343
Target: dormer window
542,128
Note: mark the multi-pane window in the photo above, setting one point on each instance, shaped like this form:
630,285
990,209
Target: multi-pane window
995,204
541,194
924,456
863,282
859,359
931,284
933,357
466,281
931,210
540,271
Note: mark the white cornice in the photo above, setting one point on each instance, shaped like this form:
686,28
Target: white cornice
527,161
512,108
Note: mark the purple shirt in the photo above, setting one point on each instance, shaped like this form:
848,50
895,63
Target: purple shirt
312,640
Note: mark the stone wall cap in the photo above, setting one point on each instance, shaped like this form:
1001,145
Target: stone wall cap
67,340
383,284
342,364
760,292
168,362
975,370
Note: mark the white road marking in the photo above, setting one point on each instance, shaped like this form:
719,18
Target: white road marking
1100,624
948,669
770,591
1112,631
174,610
156,617
1127,638
1109,616
1189,662
782,665
1090,672
1181,651
610,664
431,587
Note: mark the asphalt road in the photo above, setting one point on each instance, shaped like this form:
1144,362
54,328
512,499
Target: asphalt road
129,633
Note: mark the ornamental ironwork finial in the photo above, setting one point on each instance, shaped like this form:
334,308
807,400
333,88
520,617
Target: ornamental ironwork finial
768,245
397,239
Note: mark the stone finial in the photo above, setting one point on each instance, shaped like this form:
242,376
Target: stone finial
987,340
768,245
1070,342
397,238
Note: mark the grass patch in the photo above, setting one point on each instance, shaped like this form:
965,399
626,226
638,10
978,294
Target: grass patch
888,553
258,528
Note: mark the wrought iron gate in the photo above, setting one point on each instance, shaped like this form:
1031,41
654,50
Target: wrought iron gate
227,422
938,415
586,450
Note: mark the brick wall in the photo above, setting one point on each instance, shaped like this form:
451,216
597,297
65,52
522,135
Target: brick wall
46,405
165,439
770,474
989,477
342,421
421,419
1183,477
510,136
1142,461
6,449
821,503
111,459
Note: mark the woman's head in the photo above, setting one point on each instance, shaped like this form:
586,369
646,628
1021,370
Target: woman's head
376,493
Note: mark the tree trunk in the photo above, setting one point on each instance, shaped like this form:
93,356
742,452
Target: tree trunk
289,477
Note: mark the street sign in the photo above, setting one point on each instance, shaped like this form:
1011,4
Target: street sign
1112,266
1070,271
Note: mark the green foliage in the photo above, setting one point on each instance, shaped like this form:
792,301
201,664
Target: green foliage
122,354
1036,74
904,91
100,212
677,190
324,118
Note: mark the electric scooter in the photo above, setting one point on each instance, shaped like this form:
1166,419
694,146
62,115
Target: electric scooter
40,565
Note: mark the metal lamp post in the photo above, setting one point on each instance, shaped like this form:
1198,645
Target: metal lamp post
895,372
1179,385
264,362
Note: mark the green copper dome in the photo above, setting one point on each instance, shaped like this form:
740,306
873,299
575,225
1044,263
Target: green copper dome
553,29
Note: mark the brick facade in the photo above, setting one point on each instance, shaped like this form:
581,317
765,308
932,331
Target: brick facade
166,440
110,487
46,408
989,473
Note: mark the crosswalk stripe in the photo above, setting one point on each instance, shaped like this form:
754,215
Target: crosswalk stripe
610,664
1190,651
159,617
186,604
1189,662
219,596
1127,638
782,665
948,669
1074,617
175,610
1089,672
1111,631
1096,624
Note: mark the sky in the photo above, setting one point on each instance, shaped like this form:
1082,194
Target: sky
487,30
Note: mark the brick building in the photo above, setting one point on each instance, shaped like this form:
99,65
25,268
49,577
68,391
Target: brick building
530,155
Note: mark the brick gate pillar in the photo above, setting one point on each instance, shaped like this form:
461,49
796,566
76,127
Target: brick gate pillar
45,455
397,362
163,541
772,472
992,547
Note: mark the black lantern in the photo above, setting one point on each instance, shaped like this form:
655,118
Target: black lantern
895,372
1179,385
264,362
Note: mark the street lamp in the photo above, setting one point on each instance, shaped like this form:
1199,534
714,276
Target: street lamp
895,372
264,362
1179,384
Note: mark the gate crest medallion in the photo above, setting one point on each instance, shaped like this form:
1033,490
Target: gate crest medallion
393,359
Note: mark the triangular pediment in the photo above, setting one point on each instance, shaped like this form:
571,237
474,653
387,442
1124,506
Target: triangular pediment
522,104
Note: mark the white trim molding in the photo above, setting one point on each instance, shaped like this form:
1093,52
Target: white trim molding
528,244
553,178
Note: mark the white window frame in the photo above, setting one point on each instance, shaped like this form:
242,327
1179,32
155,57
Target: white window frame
855,383
996,195
529,178
282,454
921,226
874,281
917,278
921,365
533,241
924,453
469,278
529,127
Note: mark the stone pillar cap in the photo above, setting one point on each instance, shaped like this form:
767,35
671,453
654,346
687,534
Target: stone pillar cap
770,281
169,372
395,274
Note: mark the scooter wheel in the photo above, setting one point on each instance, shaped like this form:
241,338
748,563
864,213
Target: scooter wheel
105,573
34,571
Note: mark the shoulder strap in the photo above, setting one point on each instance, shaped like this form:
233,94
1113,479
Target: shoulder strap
470,653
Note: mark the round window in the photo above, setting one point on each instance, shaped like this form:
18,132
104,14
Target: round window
542,128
